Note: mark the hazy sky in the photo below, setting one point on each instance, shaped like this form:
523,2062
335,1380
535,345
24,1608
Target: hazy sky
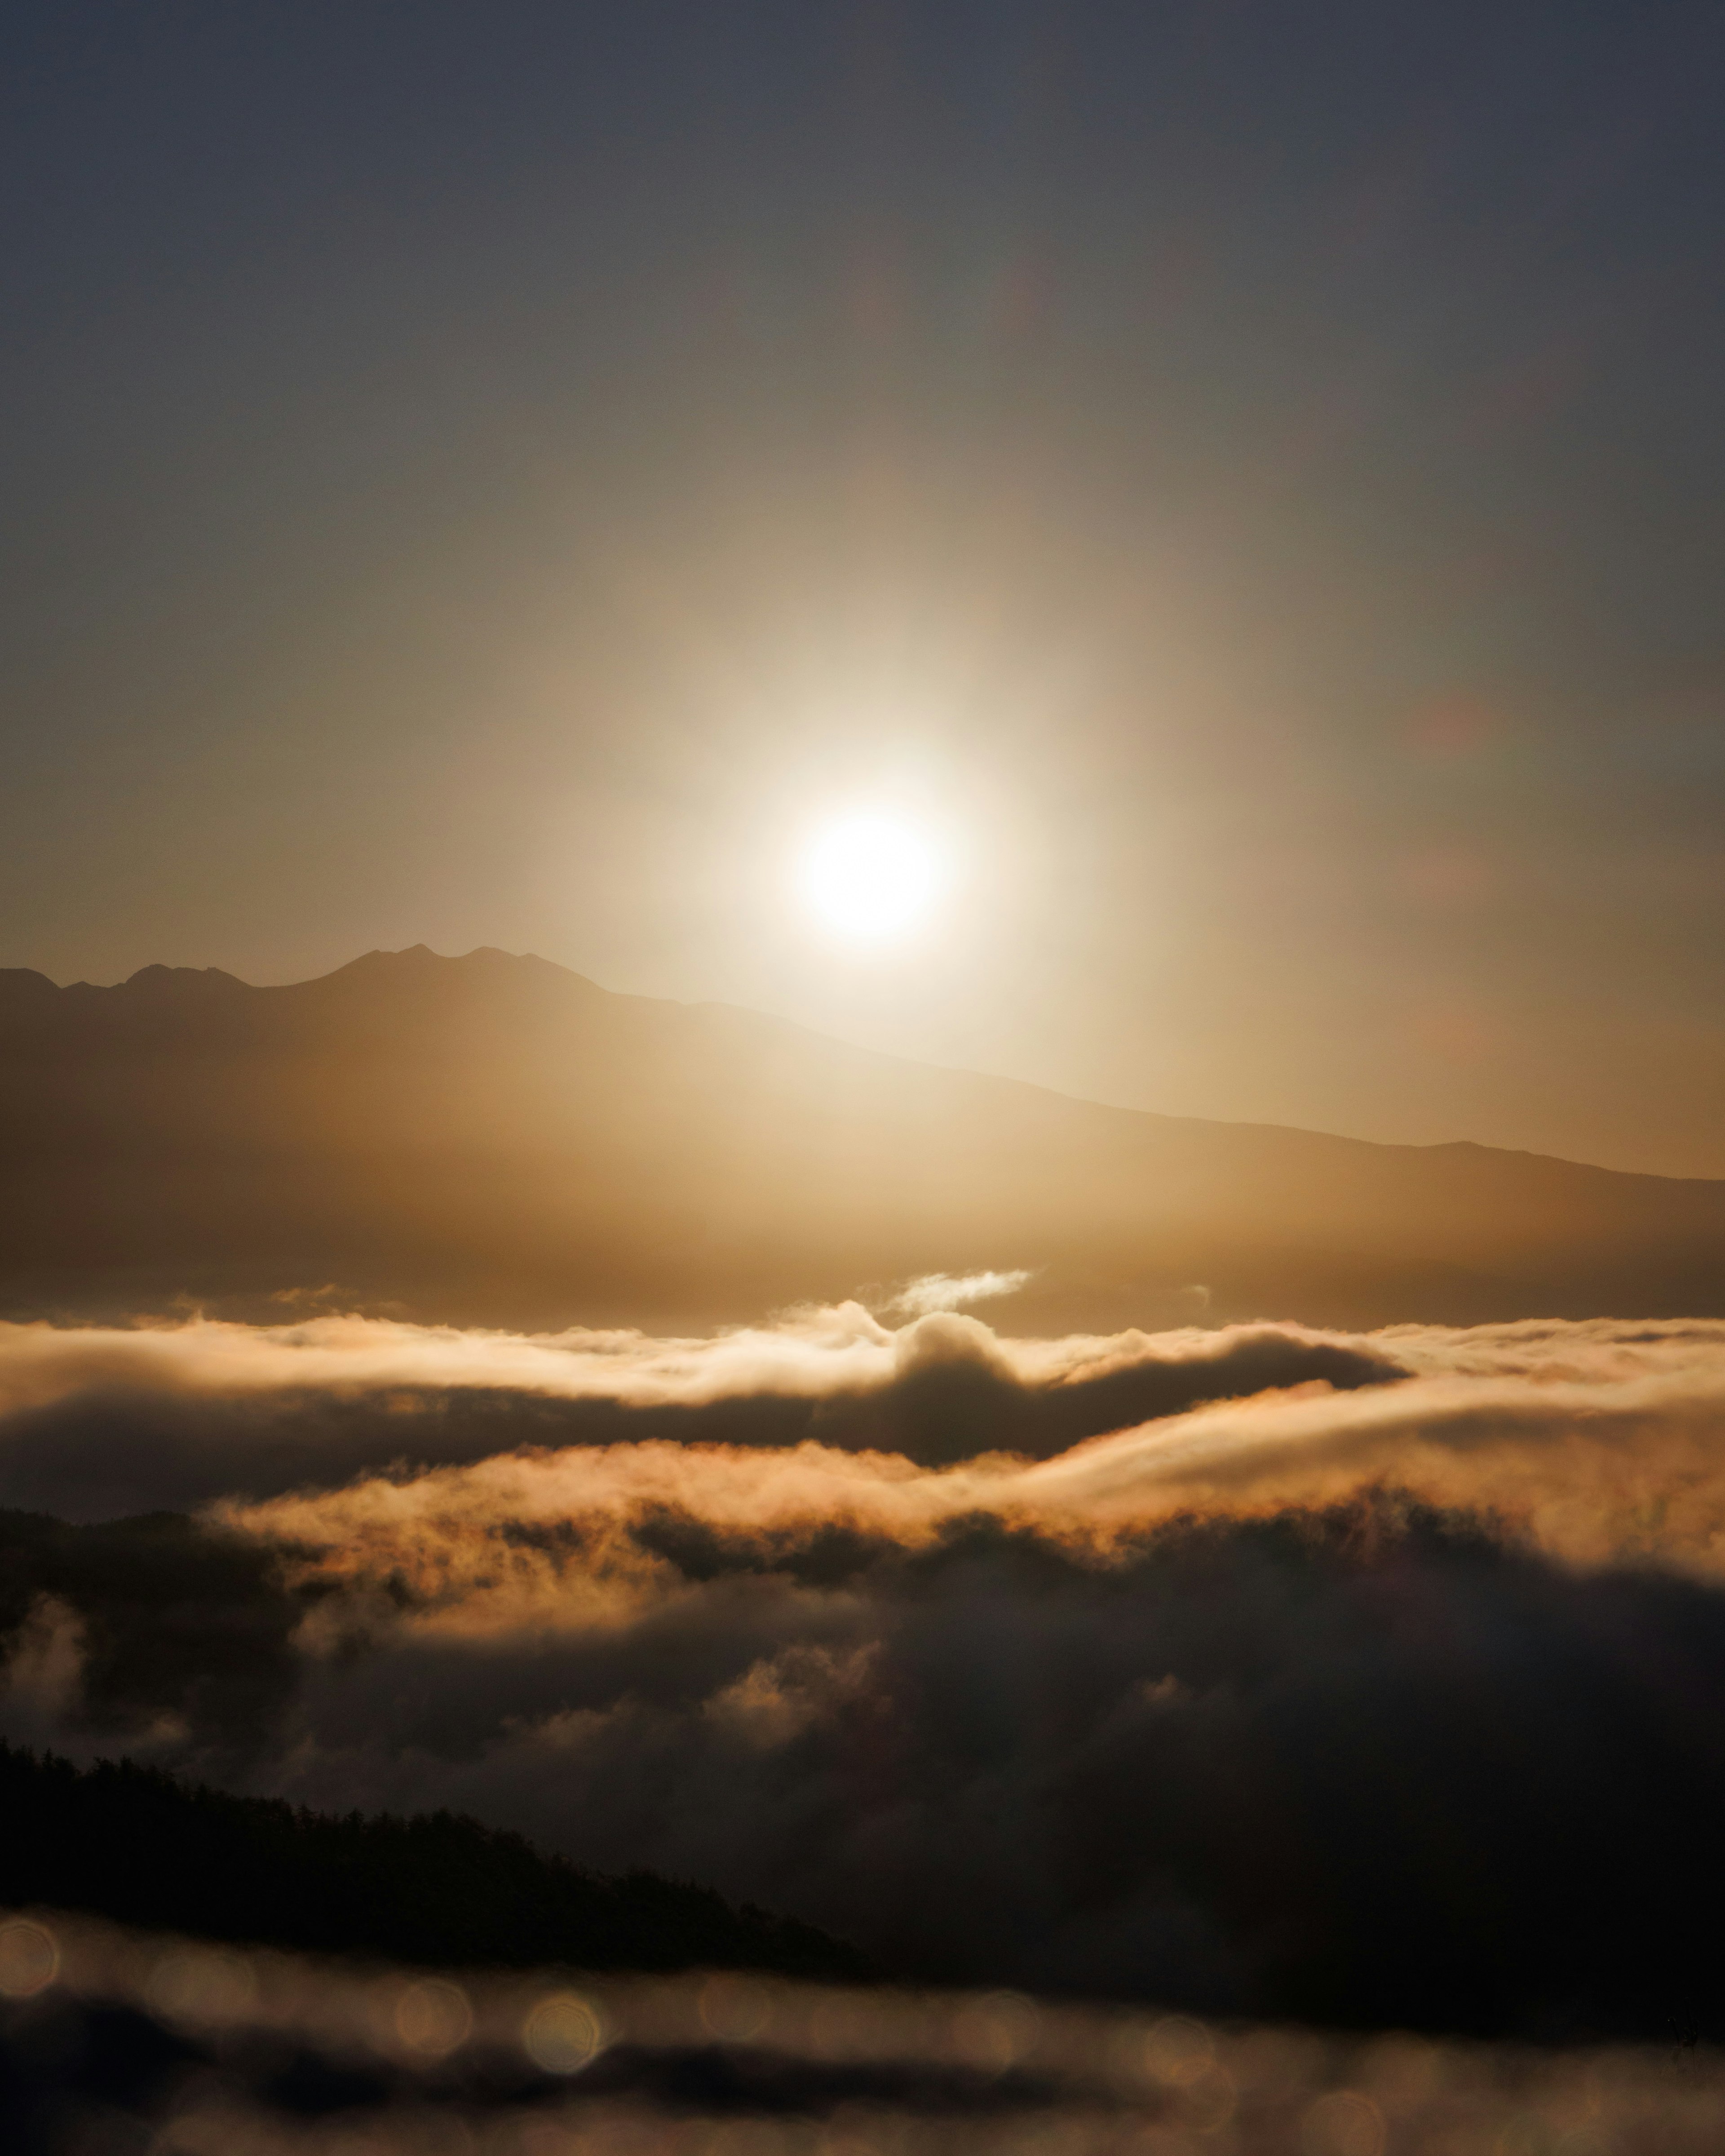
1251,474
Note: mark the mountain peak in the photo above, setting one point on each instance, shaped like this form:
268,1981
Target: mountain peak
419,960
183,980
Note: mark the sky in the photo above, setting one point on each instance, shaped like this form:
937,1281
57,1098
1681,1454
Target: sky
1247,479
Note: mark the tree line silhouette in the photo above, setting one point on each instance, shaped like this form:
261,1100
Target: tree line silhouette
130,1843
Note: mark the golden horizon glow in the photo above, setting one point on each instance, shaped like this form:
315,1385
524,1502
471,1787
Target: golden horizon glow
869,876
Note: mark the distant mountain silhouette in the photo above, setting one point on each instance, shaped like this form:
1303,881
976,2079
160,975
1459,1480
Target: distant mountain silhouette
494,1139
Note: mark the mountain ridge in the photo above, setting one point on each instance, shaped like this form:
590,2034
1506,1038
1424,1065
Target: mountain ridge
215,975
495,1135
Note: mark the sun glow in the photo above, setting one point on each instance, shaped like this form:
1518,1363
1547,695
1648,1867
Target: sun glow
868,877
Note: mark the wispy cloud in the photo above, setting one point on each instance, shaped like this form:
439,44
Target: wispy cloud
955,1291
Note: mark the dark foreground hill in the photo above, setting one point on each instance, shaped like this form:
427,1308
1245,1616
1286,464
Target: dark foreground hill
130,1843
495,1139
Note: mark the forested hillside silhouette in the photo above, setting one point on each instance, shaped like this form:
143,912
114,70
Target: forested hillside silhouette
130,1843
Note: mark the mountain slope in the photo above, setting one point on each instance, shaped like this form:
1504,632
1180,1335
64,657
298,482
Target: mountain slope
494,1139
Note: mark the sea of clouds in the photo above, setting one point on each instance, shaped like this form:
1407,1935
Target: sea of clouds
1256,1670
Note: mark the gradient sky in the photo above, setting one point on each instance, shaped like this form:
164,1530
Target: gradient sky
1253,473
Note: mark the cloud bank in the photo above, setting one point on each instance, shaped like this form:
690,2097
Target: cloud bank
1361,1677
100,1421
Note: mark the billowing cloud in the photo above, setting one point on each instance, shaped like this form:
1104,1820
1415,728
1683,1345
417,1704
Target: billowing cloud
1598,1440
96,1421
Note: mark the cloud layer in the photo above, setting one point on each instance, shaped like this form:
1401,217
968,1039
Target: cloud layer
1257,1671
95,1422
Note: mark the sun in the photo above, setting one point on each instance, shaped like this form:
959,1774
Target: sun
868,877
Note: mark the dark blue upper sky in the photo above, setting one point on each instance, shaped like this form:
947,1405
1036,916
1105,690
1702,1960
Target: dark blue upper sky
485,474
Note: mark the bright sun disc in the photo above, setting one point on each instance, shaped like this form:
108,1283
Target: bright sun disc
868,877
